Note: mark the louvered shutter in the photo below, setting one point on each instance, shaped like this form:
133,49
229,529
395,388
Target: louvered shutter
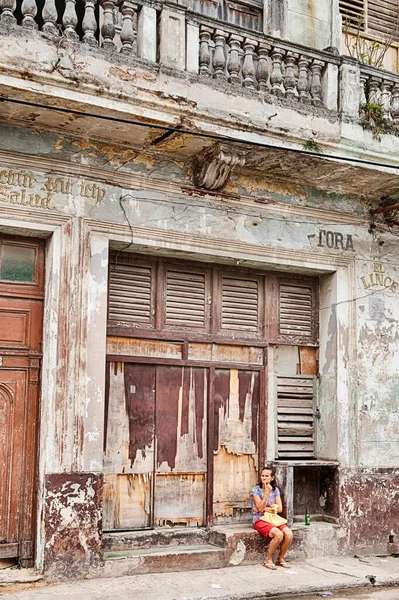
185,298
295,417
130,293
353,12
298,316
382,18
240,304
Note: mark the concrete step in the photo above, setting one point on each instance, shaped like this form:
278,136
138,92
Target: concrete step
162,560
163,550
157,538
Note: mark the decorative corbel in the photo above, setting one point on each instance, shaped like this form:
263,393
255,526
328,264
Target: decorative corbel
214,166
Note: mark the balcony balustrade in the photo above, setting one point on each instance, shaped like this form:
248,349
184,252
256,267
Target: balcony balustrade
381,88
174,37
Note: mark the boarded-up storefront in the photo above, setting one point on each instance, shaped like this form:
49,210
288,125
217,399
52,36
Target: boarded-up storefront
186,401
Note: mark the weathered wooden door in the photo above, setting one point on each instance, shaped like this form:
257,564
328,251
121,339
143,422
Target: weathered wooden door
21,308
155,454
235,442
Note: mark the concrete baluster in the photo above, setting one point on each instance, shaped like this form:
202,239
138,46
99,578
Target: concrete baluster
89,23
289,76
262,73
395,104
385,98
374,92
303,79
49,15
29,12
248,67
234,61
276,77
128,34
7,11
219,57
315,86
70,20
363,88
108,26
205,52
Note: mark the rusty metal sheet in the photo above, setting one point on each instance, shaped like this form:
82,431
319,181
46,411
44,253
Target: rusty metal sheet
308,360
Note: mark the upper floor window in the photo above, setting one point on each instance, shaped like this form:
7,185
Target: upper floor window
371,31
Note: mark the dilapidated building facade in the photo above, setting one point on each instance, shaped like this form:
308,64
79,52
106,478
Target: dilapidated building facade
198,274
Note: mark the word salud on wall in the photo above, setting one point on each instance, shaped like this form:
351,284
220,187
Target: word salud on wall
14,186
379,278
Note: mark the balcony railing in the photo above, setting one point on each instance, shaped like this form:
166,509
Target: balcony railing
169,35
381,88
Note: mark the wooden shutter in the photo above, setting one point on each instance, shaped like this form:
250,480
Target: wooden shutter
295,417
185,298
130,293
298,315
353,13
240,304
382,17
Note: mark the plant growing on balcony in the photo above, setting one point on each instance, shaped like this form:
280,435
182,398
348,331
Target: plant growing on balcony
311,145
372,119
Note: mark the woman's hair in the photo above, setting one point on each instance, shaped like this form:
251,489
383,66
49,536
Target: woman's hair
273,482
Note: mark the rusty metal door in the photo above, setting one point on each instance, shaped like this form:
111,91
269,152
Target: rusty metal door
21,308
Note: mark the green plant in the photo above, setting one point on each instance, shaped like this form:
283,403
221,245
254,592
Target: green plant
312,146
372,119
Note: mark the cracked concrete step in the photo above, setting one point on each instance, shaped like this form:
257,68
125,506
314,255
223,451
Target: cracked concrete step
159,538
162,560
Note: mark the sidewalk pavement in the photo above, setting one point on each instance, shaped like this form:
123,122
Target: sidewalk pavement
253,582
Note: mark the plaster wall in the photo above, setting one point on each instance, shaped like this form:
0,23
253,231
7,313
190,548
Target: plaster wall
310,22
86,203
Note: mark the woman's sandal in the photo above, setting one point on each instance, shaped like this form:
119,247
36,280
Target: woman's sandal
270,565
282,563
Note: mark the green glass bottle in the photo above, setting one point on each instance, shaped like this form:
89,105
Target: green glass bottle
307,517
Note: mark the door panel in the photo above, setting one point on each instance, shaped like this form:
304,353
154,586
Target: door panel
235,443
180,485
129,446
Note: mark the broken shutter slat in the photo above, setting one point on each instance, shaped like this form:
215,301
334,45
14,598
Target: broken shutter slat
185,298
240,304
295,417
130,293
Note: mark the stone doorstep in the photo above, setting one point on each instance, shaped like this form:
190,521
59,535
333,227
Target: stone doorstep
162,560
141,552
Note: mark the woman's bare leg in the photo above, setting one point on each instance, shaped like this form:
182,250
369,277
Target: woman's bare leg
276,538
287,541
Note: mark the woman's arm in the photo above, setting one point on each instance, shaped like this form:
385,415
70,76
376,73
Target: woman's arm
279,504
260,504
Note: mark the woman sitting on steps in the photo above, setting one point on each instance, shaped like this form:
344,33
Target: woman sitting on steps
263,495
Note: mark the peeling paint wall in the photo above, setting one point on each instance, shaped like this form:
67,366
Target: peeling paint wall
72,513
92,201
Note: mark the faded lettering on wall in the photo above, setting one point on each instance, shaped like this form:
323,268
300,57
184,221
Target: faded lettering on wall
379,278
25,189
